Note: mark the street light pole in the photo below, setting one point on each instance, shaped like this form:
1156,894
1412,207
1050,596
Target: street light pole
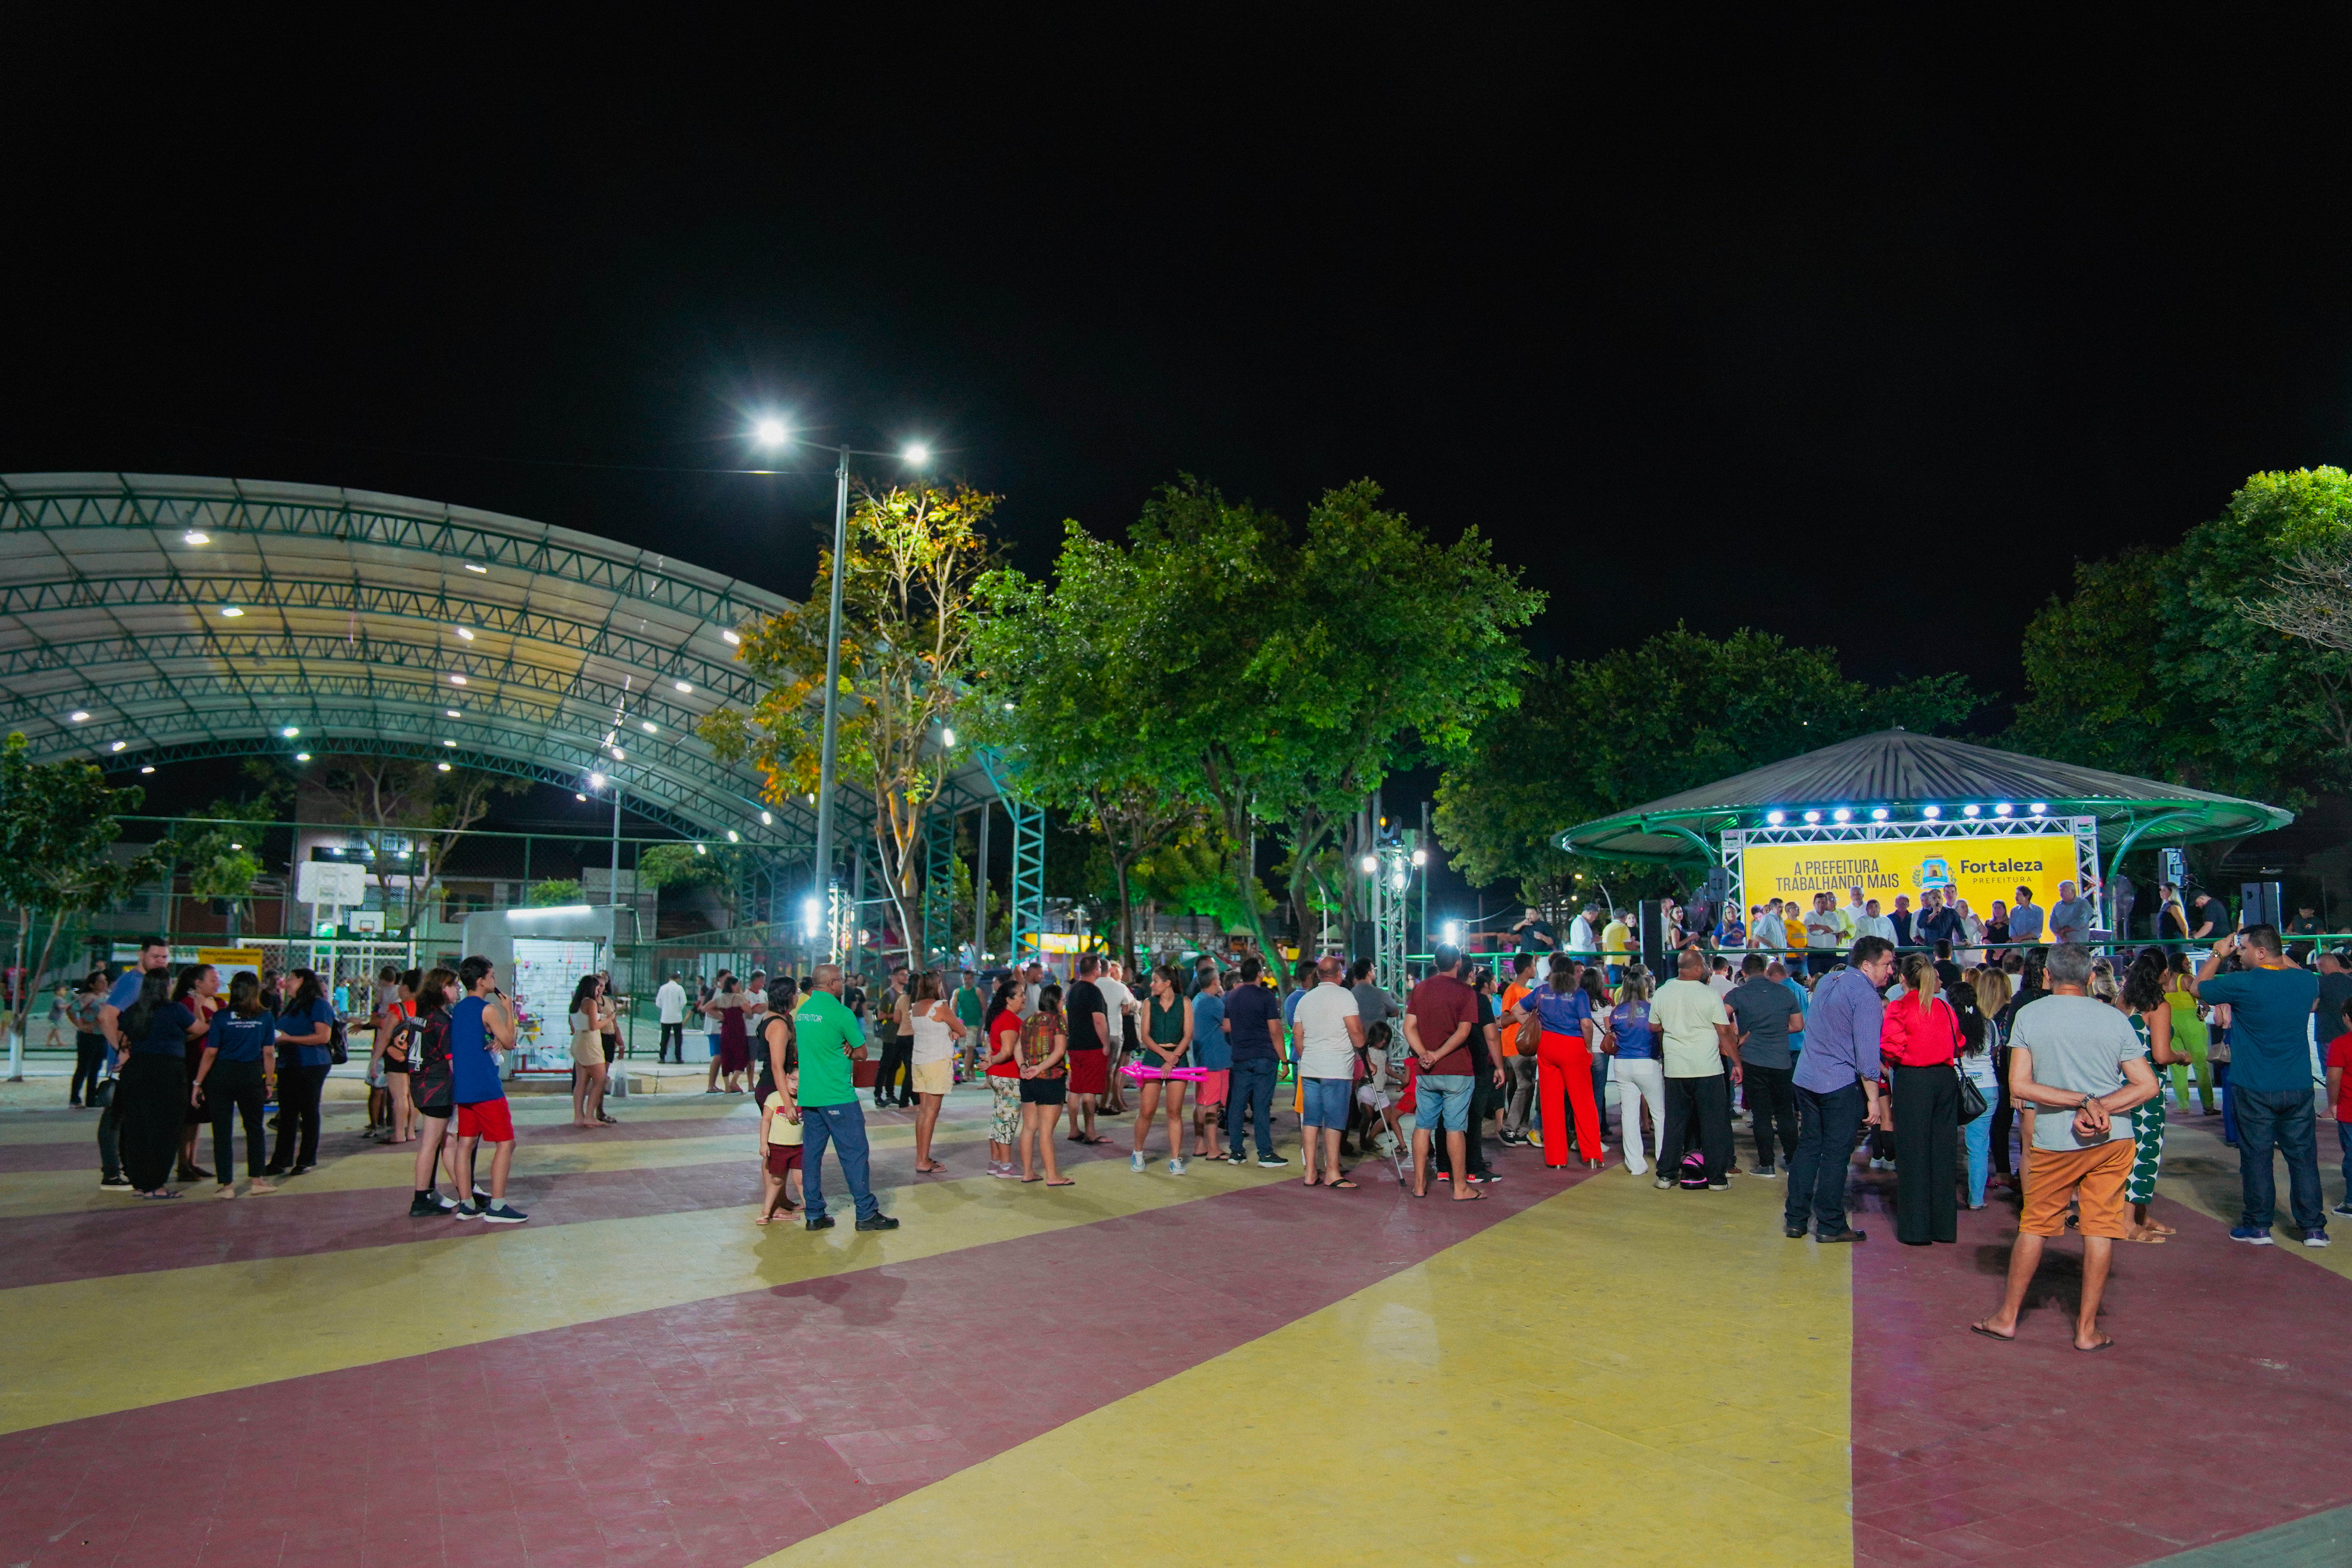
823,879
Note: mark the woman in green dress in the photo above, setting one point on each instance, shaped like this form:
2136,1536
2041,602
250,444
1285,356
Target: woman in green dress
2150,1009
2189,1036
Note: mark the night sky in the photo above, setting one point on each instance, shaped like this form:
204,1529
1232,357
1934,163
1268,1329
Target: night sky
1861,333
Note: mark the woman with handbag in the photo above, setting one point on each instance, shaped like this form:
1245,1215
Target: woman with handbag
2145,1003
1978,1039
1556,1012
1919,1041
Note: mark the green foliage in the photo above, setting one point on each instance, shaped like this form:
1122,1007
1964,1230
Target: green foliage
2152,666
556,892
57,825
1192,875
1635,725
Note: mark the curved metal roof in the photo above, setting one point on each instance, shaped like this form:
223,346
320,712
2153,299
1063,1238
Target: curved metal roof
206,617
1905,772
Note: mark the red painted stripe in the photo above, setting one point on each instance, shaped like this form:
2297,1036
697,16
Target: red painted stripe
710,1435
2224,1408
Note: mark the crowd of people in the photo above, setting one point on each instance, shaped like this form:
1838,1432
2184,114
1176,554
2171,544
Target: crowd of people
1925,1060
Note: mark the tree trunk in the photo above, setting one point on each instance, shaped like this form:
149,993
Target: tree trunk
1126,913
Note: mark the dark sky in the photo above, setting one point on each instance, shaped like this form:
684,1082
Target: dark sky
1860,331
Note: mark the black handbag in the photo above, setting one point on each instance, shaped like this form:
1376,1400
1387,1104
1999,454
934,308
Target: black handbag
1972,1100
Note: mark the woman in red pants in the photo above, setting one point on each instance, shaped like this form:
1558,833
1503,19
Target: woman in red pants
1564,1065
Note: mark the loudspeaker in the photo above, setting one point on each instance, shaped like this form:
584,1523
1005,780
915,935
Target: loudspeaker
1650,936
2262,903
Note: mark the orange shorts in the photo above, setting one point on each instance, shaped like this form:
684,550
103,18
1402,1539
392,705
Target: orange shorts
2094,1178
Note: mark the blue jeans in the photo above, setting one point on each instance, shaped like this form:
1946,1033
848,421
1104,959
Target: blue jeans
2344,1141
1978,1134
2284,1119
2229,1111
1251,1094
842,1126
1826,1123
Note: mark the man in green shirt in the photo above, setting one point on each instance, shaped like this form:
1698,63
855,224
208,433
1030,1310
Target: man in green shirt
967,1012
826,1031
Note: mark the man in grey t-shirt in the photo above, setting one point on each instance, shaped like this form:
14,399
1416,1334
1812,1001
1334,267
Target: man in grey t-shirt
2076,1060
2072,918
1764,1013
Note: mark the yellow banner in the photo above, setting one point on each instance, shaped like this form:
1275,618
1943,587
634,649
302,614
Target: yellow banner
231,962
1977,869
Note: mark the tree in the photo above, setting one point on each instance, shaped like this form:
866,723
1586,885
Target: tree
2211,663
555,893
1053,685
909,617
1676,711
410,816
724,868
56,827
221,852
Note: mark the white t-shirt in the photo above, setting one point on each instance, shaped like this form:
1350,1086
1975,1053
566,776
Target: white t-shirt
1823,929
1118,1001
1581,937
1686,1014
671,1002
1766,935
934,1038
1873,925
1720,984
1319,1025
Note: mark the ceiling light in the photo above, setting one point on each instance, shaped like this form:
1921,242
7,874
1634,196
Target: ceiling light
683,685
1967,811
731,639
448,742
1931,811
483,571
237,845
120,746
230,612
466,633
289,731
443,767
80,716
699,849
766,820
148,769
195,536
453,712
2003,809
1812,816
2038,807
577,796
948,734
1842,815
1774,819
733,836
617,755
457,681
648,726
301,756
1877,814
595,781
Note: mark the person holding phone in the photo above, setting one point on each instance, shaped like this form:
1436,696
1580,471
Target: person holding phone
480,1026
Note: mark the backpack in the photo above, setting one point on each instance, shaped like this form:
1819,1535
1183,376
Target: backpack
338,1047
1693,1169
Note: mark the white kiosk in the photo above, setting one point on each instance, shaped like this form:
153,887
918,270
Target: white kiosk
541,956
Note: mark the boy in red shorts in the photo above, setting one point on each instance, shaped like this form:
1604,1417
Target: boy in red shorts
480,1026
779,1144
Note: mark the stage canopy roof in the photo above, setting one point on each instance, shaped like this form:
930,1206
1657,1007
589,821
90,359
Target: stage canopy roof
1906,773
146,618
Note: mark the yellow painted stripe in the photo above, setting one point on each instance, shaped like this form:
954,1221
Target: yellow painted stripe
511,1281
392,1168
1616,1375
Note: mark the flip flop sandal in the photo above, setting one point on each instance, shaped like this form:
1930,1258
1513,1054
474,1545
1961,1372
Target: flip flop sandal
2102,1345
1342,1185
1980,1328
1064,1181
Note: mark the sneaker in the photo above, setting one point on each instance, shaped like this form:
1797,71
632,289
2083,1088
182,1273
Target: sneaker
2343,1208
1237,1158
1767,1172
421,1206
1718,1187
879,1222
1176,1166
442,1201
467,1211
503,1214
1269,1161
1004,1172
116,1184
2252,1235
1137,1163
2314,1238
1666,1183
822,1222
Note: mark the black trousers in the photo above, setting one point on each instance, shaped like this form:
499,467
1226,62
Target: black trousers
673,1038
233,1089
151,1101
896,1067
110,1130
1699,1116
298,1088
1772,1106
1826,1123
90,1061
2002,1111
1927,1155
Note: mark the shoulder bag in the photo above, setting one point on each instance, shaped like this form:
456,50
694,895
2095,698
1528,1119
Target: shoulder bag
1529,1039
